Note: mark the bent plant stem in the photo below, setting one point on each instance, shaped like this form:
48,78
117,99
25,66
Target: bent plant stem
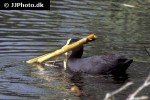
146,51
145,84
111,94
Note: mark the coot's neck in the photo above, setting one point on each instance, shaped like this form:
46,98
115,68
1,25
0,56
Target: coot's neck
77,52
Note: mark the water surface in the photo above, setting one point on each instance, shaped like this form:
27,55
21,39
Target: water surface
122,28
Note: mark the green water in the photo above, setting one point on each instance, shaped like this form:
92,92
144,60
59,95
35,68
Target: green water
122,28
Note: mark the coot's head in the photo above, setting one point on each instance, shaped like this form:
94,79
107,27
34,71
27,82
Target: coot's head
76,52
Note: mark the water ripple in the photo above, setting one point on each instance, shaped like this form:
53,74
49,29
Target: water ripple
25,34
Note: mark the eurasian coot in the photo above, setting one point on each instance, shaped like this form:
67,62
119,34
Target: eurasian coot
99,64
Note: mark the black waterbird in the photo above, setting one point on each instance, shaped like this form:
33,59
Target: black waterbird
100,64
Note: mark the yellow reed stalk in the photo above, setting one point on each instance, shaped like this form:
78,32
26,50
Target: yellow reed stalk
64,49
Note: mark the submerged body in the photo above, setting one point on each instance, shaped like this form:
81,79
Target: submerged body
99,64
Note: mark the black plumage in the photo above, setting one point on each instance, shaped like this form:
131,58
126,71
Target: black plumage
99,64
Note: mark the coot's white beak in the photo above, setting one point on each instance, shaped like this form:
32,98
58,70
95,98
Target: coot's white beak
65,60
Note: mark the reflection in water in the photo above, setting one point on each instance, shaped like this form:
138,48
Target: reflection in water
57,79
25,34
78,82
